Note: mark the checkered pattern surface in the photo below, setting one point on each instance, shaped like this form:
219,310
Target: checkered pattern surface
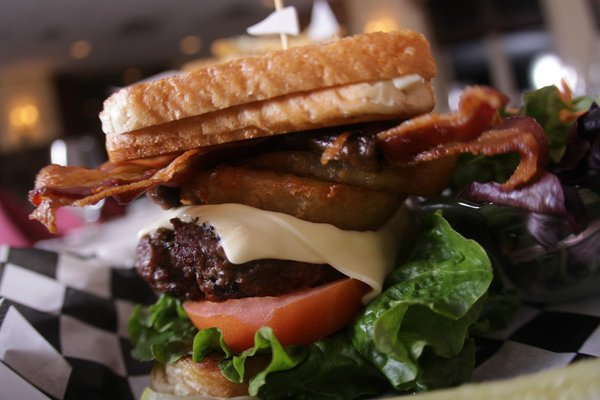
63,323
541,337
63,330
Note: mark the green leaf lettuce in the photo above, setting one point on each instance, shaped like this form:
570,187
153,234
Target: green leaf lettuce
162,332
414,336
431,300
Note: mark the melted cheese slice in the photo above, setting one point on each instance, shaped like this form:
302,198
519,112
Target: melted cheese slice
387,93
249,234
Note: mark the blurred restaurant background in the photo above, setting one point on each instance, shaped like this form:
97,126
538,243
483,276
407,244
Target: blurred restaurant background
60,59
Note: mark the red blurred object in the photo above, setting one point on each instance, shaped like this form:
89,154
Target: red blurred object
16,229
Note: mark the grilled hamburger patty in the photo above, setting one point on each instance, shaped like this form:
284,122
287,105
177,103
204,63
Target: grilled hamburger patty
188,262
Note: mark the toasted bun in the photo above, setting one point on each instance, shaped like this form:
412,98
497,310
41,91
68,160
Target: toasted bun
188,378
361,58
290,113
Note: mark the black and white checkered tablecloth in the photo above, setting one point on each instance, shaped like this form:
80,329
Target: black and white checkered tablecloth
63,330
63,326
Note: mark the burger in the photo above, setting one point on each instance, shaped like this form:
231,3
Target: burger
284,178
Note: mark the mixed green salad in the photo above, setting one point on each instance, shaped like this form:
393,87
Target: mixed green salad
572,127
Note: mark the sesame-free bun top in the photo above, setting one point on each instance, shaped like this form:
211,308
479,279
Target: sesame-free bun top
271,94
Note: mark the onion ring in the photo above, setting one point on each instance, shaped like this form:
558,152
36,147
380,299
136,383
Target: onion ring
345,206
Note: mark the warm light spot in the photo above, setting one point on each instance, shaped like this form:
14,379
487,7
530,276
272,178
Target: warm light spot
25,116
190,45
80,49
383,24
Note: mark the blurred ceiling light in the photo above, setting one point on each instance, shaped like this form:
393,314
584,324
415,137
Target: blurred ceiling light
548,69
190,45
383,24
23,117
132,75
80,49
58,152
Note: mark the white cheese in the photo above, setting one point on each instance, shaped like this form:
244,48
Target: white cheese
387,93
249,234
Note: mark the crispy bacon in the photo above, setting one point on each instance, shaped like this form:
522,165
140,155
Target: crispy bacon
58,186
522,135
478,110
476,128
334,152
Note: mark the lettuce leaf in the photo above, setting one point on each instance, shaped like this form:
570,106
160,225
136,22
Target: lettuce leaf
545,105
580,165
332,369
482,168
264,342
439,372
207,341
161,332
430,301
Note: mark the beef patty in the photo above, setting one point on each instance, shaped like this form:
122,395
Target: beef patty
189,263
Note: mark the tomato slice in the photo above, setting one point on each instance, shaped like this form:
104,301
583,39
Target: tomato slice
300,317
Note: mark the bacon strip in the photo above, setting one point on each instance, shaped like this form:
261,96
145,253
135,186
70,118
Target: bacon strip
420,139
478,110
58,186
522,135
334,152
475,128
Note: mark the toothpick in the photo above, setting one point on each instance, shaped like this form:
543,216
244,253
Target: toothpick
282,36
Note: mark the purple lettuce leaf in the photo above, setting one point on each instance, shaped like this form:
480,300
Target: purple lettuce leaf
580,164
552,200
544,195
555,210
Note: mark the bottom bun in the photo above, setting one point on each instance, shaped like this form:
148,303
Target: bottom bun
149,394
188,378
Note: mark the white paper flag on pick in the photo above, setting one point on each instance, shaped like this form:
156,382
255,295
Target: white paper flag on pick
323,24
279,21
